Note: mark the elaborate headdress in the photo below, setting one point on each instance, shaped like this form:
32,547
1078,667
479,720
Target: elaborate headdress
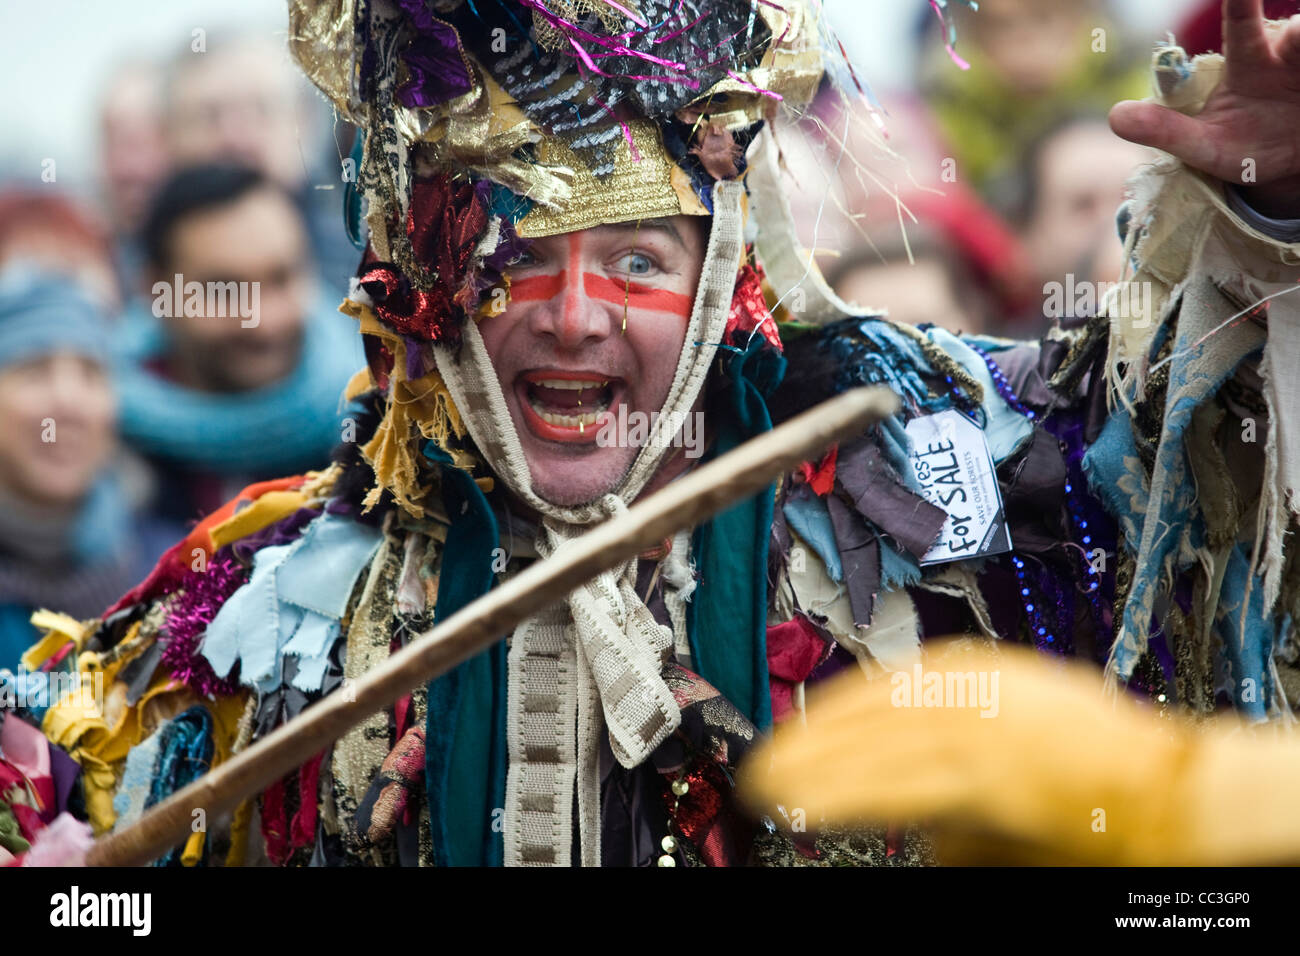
487,124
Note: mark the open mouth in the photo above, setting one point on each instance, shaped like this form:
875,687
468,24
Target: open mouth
566,406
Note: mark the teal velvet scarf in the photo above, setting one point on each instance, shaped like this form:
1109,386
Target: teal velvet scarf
465,751
727,616
275,430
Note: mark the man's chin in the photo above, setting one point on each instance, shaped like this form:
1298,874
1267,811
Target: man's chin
578,479
246,370
569,474
567,497
572,493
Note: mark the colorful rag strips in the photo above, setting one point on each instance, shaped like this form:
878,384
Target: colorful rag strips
1005,429
292,605
878,544
27,787
1162,525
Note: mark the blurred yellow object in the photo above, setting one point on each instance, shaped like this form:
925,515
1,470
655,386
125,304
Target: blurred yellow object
1050,771
192,855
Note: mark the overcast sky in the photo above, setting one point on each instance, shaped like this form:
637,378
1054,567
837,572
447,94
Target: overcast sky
55,53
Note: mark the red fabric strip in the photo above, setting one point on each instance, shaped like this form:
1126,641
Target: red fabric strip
302,831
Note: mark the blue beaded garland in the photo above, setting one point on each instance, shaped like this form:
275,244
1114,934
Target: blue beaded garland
1034,609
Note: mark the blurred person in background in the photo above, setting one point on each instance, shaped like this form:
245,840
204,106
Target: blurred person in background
133,157
968,270
72,532
1030,63
218,391
1063,200
935,287
932,288
239,100
43,229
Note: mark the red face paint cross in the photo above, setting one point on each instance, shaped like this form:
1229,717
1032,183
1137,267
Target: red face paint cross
596,323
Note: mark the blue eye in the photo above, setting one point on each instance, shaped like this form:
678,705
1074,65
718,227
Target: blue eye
635,264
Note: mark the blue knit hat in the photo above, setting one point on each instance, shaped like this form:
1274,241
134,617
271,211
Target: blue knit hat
42,312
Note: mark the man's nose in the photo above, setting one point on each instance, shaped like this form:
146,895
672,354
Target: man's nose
572,317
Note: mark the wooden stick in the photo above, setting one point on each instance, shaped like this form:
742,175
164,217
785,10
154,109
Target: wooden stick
681,504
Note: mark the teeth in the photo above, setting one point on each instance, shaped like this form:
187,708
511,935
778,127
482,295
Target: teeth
566,421
579,422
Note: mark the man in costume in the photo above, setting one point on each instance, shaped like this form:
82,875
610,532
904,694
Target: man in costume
575,222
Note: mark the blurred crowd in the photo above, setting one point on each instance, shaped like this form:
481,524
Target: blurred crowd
177,338
973,191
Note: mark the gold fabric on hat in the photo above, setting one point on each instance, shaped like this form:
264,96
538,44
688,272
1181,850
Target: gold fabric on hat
656,186
791,68
321,40
483,131
645,189
549,37
486,134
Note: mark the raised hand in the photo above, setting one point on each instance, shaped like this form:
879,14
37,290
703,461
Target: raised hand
1249,131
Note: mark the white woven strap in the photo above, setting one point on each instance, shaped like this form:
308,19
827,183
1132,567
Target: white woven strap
624,647
541,714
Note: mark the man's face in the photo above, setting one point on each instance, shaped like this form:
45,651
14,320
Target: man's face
1029,42
1081,174
916,292
596,322
258,243
133,154
239,105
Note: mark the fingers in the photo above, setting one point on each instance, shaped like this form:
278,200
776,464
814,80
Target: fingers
1288,47
1244,41
1149,124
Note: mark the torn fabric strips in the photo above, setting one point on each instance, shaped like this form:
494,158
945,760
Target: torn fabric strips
291,605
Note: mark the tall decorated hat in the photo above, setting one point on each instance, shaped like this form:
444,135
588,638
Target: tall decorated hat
488,124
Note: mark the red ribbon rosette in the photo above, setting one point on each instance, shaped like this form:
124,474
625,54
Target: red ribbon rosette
444,224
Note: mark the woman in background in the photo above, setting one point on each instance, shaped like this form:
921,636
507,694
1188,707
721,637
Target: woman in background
70,537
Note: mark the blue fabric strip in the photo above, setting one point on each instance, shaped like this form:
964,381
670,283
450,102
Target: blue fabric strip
291,604
1247,631
809,518
1005,429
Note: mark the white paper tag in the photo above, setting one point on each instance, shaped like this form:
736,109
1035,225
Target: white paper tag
952,462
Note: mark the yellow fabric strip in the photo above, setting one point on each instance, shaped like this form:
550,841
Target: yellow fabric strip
416,408
60,629
266,510
238,851
358,384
